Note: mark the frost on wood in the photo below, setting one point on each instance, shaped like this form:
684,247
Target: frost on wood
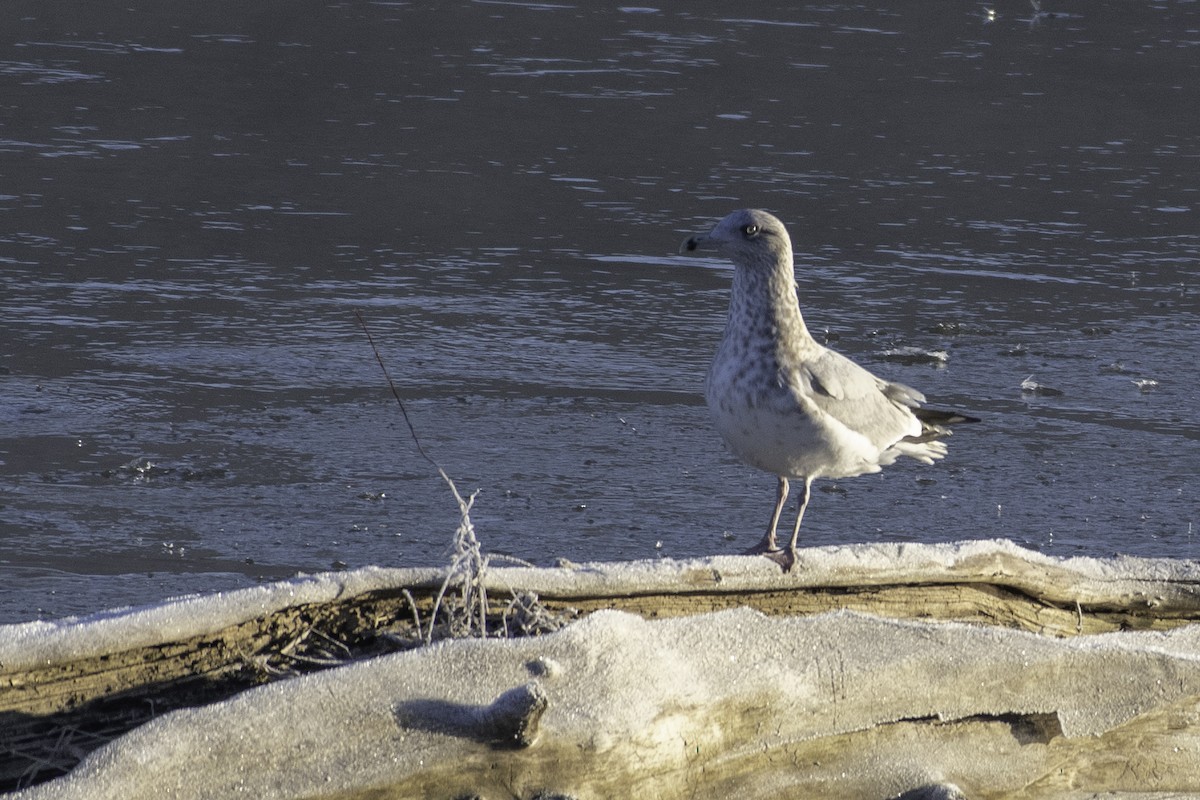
717,705
720,676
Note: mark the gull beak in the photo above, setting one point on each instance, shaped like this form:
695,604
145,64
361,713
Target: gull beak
692,243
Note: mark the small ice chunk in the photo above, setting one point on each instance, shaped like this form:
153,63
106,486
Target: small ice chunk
915,355
1030,386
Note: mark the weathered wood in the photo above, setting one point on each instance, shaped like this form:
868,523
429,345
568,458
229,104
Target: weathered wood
279,641
97,696
90,701
980,603
733,703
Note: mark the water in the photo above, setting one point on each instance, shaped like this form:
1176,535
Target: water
197,197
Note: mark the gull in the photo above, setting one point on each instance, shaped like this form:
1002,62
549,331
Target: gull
788,405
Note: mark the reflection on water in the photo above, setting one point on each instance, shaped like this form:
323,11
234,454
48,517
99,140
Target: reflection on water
197,199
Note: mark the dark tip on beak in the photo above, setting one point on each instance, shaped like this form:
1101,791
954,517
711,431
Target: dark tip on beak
689,245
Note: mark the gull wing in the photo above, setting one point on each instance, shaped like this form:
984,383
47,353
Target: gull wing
858,399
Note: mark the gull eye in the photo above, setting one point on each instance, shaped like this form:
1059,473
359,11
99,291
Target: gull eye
749,231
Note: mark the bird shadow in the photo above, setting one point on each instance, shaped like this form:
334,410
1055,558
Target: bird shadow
508,722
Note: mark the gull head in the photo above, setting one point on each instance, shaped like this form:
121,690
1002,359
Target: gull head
745,237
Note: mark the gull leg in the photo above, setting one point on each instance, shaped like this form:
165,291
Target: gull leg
768,545
789,556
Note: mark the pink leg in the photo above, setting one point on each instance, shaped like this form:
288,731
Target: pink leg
790,559
768,543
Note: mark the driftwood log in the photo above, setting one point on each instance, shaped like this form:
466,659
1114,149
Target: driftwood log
1088,700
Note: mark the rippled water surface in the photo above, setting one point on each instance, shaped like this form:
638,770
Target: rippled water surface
196,198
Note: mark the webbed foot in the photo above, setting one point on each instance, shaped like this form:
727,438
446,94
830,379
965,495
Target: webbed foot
786,559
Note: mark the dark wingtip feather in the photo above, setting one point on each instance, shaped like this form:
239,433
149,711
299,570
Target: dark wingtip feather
936,416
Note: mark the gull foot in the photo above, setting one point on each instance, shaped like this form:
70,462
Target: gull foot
786,559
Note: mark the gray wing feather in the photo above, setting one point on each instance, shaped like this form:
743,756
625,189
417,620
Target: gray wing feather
858,399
